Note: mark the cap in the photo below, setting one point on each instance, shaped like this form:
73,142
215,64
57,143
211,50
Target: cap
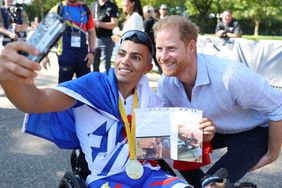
140,37
147,8
163,6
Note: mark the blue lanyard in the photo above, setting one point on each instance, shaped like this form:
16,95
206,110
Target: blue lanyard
81,14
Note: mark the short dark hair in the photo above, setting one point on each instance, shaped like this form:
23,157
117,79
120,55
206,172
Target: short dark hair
137,7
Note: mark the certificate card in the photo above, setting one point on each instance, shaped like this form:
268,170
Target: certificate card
169,133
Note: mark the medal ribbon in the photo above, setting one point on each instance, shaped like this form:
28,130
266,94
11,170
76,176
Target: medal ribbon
130,133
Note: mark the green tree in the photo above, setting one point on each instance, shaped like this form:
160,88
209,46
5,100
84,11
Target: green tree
258,10
200,9
39,8
173,5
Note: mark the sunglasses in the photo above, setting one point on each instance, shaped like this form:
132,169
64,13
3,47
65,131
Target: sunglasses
139,38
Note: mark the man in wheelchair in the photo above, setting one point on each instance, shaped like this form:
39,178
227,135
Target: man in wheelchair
94,112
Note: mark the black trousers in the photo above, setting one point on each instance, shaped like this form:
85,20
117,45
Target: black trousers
72,64
244,150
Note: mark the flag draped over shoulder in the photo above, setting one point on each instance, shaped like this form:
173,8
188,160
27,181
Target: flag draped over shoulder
97,90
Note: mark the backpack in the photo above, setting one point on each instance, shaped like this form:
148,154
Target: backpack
60,9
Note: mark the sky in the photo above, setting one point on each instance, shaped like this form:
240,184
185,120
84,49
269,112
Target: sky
24,1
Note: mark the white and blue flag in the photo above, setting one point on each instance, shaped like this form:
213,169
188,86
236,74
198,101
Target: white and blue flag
93,124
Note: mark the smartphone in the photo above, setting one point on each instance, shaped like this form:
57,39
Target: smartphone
45,36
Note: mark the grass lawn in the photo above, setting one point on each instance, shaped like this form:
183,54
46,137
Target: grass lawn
260,37
252,37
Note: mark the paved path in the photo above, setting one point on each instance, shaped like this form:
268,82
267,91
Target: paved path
30,162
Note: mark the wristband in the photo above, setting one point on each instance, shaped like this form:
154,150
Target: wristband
92,51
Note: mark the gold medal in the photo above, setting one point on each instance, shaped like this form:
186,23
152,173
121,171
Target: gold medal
134,169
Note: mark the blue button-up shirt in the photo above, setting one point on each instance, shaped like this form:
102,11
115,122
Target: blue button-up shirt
228,92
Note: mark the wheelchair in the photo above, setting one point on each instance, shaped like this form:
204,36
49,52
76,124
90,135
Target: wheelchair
219,180
80,171
72,180
76,178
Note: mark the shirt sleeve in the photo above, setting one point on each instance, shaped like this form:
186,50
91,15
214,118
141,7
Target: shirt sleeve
90,23
217,28
252,91
114,12
134,22
237,28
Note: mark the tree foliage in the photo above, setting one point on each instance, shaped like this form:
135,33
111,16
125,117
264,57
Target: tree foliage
199,10
258,10
255,10
39,7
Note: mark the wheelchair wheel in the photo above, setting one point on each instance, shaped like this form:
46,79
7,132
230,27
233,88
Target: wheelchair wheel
78,164
74,160
71,180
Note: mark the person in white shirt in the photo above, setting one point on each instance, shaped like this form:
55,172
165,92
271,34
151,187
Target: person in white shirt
134,18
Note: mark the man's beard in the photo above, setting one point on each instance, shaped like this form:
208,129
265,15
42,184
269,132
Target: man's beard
169,71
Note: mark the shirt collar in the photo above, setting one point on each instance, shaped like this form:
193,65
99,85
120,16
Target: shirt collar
202,73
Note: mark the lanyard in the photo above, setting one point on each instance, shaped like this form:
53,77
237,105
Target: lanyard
81,15
130,133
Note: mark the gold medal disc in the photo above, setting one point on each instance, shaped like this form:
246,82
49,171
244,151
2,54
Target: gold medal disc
134,169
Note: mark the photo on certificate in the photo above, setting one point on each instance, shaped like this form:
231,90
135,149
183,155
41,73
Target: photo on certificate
153,147
169,133
189,146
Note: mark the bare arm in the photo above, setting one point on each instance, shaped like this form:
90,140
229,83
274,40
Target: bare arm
274,144
233,35
219,33
92,38
25,24
28,98
108,25
92,43
8,33
21,27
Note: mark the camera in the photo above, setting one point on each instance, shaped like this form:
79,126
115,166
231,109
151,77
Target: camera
45,36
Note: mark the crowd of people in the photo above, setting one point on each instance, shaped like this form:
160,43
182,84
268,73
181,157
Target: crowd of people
94,112
104,19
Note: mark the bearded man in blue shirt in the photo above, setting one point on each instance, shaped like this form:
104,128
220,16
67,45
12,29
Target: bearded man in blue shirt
245,109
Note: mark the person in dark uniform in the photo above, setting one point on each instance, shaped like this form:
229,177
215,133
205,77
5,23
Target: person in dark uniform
228,27
105,15
13,22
